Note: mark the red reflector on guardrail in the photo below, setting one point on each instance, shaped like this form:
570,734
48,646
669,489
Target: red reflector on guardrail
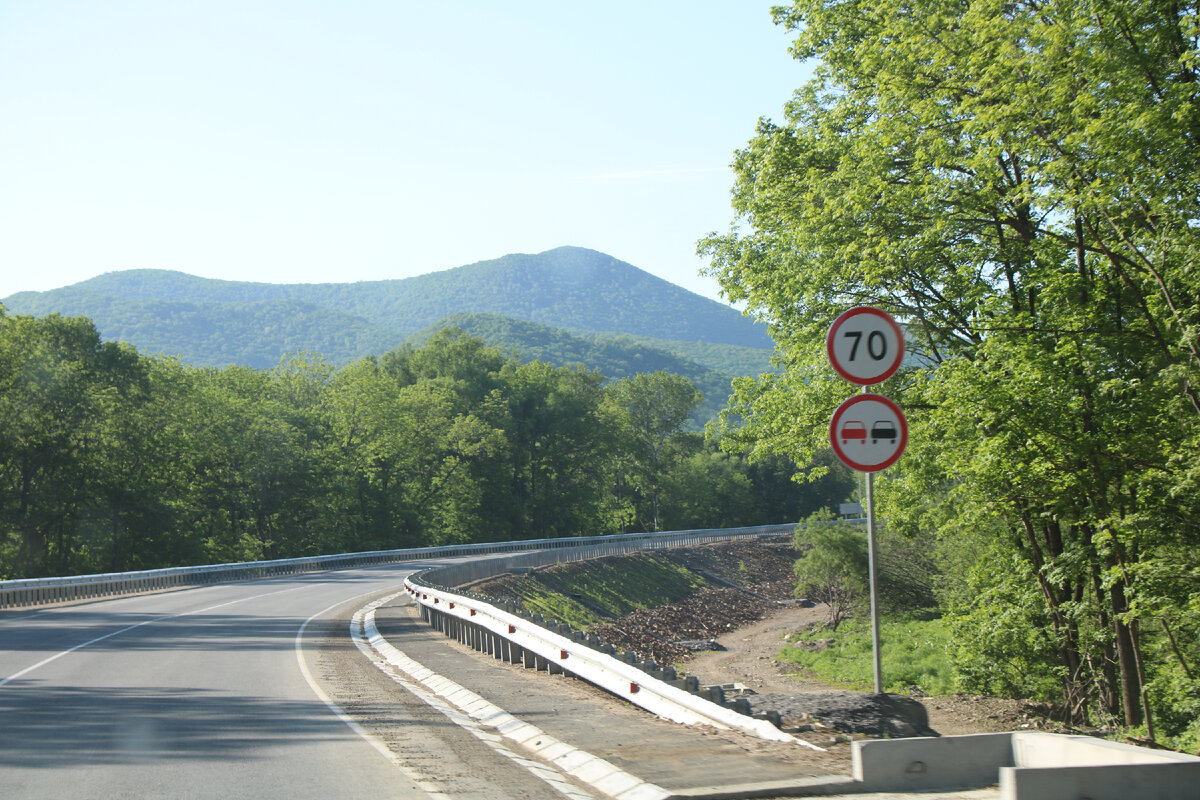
562,654
634,688
512,628
472,612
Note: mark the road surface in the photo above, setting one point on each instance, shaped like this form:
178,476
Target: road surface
242,689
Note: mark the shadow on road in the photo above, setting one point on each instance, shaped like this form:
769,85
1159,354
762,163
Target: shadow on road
58,727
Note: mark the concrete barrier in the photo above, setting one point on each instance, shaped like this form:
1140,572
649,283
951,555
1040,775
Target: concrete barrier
1028,766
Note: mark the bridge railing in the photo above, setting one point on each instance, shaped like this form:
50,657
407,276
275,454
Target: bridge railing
43,591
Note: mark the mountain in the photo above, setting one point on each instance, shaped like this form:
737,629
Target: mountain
254,334
564,306
213,322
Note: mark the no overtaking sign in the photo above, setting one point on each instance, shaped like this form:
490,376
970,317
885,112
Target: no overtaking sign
868,432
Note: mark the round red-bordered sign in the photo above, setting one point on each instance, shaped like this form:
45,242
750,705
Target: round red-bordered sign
865,345
868,432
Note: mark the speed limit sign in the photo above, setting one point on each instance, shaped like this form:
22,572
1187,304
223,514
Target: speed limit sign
865,345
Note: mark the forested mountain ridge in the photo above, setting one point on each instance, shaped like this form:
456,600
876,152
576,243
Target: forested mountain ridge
251,334
213,322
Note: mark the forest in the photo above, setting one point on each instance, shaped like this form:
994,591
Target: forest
1017,182
113,461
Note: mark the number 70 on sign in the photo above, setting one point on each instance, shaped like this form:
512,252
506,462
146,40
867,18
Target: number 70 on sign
865,345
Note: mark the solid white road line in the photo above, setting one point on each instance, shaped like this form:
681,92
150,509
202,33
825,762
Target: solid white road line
423,782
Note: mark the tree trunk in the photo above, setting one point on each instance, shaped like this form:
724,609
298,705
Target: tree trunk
1131,689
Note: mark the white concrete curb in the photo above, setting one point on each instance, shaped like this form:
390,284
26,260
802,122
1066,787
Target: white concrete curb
580,765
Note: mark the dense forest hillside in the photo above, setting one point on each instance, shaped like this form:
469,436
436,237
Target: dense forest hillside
254,334
215,323
111,460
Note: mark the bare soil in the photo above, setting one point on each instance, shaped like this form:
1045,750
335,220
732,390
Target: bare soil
750,658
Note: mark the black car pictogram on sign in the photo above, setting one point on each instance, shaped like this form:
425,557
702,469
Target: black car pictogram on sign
884,429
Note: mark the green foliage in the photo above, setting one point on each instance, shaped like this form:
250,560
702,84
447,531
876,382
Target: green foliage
833,567
625,584
112,461
583,595
649,412
537,599
1003,643
710,366
913,652
1015,182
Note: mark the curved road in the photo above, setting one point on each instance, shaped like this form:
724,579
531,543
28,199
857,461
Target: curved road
232,690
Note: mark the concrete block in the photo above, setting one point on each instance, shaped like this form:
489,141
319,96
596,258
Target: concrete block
616,783
1039,749
1028,766
1153,781
931,763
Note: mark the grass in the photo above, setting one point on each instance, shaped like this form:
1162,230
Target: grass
913,652
616,585
554,606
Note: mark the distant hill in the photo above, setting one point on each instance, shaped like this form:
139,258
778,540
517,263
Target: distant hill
206,334
212,322
564,306
711,367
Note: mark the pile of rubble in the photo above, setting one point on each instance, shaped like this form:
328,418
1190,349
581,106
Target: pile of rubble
670,634
759,576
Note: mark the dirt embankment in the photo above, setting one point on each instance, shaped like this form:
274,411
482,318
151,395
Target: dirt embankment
733,634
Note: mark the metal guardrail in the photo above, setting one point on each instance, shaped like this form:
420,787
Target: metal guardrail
520,640
43,591
512,635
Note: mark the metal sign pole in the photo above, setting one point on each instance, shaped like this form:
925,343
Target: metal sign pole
872,578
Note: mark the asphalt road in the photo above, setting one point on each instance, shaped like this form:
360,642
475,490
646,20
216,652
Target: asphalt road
232,690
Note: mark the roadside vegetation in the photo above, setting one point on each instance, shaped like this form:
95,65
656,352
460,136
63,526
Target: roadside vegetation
589,593
112,461
914,655
1015,182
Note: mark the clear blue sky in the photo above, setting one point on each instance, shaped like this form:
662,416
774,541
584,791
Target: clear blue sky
303,141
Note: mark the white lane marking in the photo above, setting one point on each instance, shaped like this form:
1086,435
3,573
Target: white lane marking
474,714
423,782
128,628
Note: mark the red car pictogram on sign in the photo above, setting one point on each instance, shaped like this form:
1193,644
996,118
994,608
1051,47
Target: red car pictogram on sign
853,429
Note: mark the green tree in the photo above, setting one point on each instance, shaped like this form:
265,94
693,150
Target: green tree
558,448
708,489
651,411
60,388
1016,182
833,567
408,445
